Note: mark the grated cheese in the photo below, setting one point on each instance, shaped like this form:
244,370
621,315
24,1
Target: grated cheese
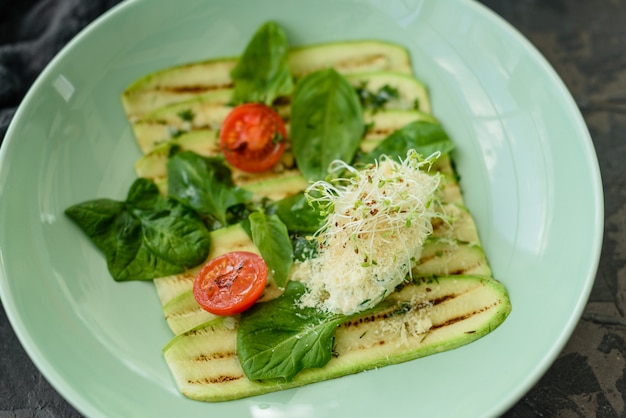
378,219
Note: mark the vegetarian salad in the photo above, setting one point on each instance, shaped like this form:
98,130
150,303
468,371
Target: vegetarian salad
300,215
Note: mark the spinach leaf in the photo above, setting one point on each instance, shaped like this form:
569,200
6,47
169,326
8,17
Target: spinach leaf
262,74
425,137
276,339
304,247
146,236
204,184
298,214
326,122
270,236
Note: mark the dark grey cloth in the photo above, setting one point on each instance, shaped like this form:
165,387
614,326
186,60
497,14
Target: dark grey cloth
31,33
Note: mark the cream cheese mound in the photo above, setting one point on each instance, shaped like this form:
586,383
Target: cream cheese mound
378,219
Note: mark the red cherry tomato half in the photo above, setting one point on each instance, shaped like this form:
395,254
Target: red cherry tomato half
231,283
252,137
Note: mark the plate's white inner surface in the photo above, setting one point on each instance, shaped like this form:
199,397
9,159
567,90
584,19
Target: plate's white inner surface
520,143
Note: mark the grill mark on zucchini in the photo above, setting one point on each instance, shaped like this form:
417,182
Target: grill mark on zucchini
349,65
362,61
466,316
181,314
403,308
181,278
193,89
445,298
465,270
213,380
214,356
380,132
434,256
199,332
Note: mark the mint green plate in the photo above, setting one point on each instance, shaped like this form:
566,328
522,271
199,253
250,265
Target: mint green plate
528,167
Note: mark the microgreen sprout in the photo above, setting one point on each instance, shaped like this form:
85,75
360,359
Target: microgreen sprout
402,196
378,219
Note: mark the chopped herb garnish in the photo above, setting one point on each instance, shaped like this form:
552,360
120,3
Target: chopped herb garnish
174,132
186,115
368,127
378,99
277,138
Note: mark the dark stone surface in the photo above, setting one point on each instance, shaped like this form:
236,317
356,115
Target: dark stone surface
585,41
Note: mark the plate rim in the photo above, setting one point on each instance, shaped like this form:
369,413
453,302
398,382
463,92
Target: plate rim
68,392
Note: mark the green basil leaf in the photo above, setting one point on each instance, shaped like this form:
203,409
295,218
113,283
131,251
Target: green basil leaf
97,218
424,137
146,236
298,214
144,194
270,236
276,339
204,184
130,256
262,74
326,122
